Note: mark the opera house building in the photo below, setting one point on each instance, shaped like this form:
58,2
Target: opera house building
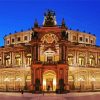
50,57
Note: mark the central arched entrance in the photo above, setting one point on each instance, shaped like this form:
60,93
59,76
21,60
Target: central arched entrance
49,80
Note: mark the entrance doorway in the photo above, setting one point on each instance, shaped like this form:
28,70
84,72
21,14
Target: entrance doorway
49,81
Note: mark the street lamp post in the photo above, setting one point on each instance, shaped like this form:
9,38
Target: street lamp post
7,80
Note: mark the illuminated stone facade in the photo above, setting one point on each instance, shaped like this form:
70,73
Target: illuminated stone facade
50,57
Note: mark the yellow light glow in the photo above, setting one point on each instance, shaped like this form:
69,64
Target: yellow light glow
18,79
44,84
49,75
93,79
54,82
7,80
81,79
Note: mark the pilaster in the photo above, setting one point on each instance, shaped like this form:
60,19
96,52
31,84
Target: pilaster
2,58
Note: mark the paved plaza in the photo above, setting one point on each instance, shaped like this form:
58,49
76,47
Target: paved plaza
50,96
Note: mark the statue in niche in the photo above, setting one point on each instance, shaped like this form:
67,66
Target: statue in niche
35,35
64,35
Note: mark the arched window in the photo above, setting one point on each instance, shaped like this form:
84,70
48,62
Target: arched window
81,60
70,59
74,38
18,39
28,59
91,60
7,60
18,60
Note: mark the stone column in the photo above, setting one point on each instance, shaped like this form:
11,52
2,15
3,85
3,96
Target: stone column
34,75
2,58
87,58
96,58
29,36
40,74
64,70
34,78
10,40
42,78
60,52
14,54
77,57
21,58
74,58
11,59
41,81
38,53
65,77
65,52
32,53
89,40
57,77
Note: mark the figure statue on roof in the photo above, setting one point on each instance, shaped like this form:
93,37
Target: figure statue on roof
36,23
49,19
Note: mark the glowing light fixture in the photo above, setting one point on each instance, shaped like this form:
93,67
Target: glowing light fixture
81,79
93,79
6,79
18,79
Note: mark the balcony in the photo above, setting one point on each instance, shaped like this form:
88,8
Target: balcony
50,63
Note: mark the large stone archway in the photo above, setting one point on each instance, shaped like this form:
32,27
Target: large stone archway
49,79
49,75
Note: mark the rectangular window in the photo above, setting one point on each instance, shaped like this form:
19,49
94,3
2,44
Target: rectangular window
70,60
74,38
86,39
25,37
91,41
12,40
7,42
81,38
18,39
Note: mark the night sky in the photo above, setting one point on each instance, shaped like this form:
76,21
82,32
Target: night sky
78,14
